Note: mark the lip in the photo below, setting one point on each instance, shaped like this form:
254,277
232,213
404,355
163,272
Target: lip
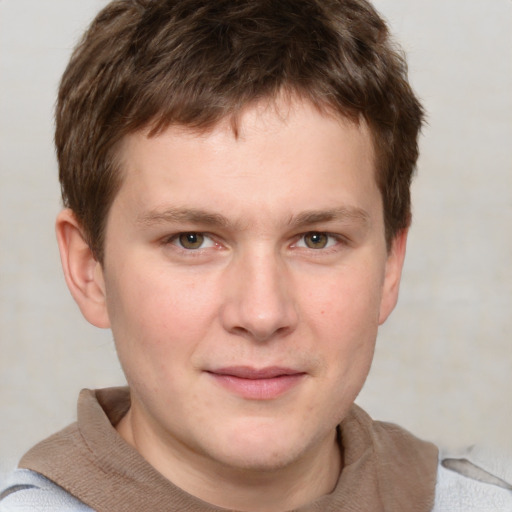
257,383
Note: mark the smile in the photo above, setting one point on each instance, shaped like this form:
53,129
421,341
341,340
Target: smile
257,384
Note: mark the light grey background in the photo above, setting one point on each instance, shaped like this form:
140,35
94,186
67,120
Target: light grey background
443,365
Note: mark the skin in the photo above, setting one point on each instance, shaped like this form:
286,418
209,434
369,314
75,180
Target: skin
285,266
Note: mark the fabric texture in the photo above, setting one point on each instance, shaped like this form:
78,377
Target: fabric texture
475,480
385,467
458,493
27,491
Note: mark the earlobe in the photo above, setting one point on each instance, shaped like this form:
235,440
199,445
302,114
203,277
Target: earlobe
393,275
83,273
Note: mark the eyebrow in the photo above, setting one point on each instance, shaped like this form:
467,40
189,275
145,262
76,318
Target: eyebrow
343,214
210,219
192,215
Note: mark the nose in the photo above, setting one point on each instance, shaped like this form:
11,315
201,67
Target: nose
260,303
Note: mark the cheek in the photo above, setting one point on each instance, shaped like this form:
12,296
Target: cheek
344,316
157,321
165,300
346,301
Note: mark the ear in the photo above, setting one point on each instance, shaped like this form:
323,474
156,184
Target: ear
83,274
393,275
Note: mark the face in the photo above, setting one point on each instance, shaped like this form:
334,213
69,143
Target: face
245,279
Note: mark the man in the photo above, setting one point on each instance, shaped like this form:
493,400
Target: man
236,181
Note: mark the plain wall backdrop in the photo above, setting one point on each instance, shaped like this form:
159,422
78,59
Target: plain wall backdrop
443,366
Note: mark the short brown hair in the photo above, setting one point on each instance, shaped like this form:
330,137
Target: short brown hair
153,63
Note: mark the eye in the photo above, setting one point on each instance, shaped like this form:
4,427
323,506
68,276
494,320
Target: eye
316,240
193,241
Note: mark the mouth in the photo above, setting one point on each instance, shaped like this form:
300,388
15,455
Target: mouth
257,383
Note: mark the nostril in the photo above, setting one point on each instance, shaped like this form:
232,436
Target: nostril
261,335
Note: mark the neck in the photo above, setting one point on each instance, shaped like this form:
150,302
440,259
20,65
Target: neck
306,478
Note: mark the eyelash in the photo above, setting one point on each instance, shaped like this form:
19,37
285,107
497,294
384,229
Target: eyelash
175,240
333,240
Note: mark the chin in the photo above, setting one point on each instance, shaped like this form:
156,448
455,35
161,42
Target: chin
267,460
264,447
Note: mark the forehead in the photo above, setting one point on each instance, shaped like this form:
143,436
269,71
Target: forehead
265,117
284,152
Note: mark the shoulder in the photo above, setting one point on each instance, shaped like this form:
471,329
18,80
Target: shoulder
28,491
476,481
